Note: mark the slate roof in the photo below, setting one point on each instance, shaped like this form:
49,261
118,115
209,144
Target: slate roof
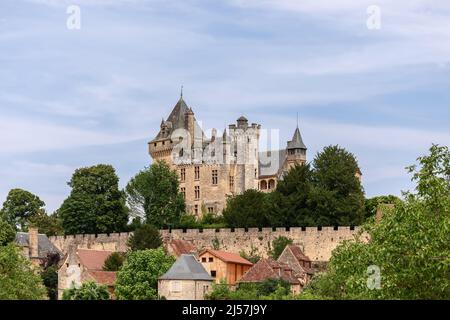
44,244
266,269
176,120
297,141
93,259
186,268
227,257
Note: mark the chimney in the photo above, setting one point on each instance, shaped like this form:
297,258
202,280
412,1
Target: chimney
33,242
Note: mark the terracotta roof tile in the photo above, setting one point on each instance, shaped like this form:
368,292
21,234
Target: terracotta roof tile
266,269
104,277
93,259
227,257
182,247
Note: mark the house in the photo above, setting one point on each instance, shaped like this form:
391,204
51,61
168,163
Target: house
266,269
299,263
82,265
185,280
177,247
223,265
36,247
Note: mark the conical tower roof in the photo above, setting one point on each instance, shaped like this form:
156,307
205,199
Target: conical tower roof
297,141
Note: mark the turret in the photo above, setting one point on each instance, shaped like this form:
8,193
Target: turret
296,149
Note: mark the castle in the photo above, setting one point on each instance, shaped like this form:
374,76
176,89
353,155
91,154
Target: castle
212,169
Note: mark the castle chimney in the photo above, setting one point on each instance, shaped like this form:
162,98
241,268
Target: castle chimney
33,242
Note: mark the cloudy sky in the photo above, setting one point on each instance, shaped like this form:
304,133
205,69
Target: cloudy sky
73,98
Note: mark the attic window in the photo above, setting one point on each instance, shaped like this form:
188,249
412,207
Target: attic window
213,273
210,259
203,259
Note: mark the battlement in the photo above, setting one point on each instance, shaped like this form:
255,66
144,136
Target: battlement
316,242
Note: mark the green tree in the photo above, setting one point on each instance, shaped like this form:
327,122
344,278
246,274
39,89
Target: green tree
88,291
289,203
409,246
248,209
95,204
114,261
138,277
145,237
7,233
18,279
154,193
278,246
337,197
50,280
20,206
47,224
371,204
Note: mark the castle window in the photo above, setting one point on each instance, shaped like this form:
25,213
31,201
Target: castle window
231,182
155,144
271,184
196,209
183,174
210,209
163,142
214,177
263,185
181,152
197,172
256,173
183,192
197,192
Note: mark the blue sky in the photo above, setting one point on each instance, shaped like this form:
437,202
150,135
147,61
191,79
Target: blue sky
73,98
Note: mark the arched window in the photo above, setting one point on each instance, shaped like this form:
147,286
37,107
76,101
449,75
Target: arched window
271,184
263,185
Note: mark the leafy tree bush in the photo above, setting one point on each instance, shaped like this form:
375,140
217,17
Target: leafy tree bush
88,291
50,280
278,246
95,204
154,193
270,289
337,197
252,256
371,204
409,245
18,279
248,209
47,224
114,261
145,237
7,233
138,277
19,207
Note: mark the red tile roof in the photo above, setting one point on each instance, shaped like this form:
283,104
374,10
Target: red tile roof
300,257
227,257
93,259
182,247
266,269
104,277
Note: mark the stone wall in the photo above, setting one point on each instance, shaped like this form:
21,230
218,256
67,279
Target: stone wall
317,243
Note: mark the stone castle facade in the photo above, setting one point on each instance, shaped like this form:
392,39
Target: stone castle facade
212,169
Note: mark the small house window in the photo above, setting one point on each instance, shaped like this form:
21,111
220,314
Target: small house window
203,259
210,260
175,286
213,273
